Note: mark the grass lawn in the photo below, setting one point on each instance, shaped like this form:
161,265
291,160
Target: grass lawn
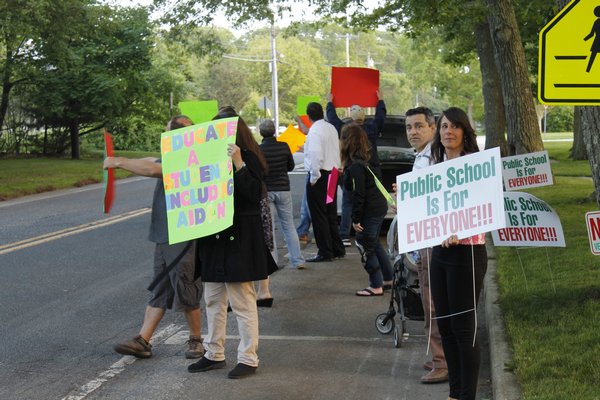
23,176
551,297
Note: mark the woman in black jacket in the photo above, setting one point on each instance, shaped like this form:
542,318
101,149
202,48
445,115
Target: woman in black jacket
232,259
369,207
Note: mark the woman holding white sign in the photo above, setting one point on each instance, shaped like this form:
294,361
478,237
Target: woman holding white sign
457,270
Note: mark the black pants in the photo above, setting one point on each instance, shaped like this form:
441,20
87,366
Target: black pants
451,282
324,218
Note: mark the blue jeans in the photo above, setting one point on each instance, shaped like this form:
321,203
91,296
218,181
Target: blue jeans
281,202
378,264
305,219
346,220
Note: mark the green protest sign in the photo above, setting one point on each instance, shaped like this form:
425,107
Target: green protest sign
198,179
303,101
199,111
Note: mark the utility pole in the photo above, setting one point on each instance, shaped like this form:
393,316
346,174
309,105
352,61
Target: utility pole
274,79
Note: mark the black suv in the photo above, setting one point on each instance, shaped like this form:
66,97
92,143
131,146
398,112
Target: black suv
395,152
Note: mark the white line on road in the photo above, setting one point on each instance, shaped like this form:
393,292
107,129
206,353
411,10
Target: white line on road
48,237
119,366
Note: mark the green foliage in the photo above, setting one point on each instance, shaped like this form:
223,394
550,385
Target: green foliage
559,119
101,76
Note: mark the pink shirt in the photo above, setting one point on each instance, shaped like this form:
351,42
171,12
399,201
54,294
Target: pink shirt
475,239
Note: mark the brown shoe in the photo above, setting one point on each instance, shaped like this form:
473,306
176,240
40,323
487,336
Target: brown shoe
428,365
304,239
435,376
137,347
195,348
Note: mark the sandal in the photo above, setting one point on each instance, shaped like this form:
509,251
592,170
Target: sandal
367,292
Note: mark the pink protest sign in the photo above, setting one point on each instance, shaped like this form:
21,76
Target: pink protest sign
332,185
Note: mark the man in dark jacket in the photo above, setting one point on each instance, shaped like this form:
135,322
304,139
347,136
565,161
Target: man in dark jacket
280,161
373,128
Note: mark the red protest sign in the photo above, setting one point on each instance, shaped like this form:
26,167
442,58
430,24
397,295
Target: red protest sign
109,174
350,86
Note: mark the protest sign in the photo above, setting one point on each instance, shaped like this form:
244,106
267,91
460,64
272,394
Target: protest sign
305,120
108,174
350,86
593,226
302,102
293,137
526,171
199,111
460,197
198,179
531,222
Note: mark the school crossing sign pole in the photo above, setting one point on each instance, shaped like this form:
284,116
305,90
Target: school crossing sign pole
569,69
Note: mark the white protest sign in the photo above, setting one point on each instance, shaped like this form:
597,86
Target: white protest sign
531,223
462,196
593,226
527,171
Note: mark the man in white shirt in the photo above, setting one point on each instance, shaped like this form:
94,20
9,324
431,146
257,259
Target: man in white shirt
321,156
420,130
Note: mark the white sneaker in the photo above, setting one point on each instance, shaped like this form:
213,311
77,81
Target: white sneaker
346,242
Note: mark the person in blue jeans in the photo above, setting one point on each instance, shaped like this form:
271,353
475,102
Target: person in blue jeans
369,208
280,162
371,128
305,220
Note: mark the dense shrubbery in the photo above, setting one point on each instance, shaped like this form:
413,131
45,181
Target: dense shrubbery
559,119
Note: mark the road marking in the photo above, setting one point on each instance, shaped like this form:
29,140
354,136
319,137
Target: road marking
48,237
119,366
181,337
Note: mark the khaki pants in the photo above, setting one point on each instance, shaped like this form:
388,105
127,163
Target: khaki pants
242,298
435,342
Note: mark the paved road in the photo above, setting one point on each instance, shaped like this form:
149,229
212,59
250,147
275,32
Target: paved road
65,302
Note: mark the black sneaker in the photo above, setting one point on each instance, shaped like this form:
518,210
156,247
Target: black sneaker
137,347
204,364
195,348
241,371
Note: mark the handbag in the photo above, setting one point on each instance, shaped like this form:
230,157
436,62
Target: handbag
265,216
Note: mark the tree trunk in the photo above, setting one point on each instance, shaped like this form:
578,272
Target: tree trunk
495,122
74,130
522,127
6,87
578,151
590,121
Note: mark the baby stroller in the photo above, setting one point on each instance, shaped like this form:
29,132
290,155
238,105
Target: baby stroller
406,295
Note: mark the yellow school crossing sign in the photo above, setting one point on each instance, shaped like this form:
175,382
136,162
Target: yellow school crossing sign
569,69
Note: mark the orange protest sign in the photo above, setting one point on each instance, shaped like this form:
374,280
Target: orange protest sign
293,137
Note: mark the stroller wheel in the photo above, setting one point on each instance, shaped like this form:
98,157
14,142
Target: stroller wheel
397,337
384,323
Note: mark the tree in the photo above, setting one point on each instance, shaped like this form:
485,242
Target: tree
522,128
100,77
590,119
24,29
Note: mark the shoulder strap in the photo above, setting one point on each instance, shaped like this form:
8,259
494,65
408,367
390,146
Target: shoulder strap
381,188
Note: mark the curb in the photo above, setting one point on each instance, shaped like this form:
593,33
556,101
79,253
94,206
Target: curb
504,382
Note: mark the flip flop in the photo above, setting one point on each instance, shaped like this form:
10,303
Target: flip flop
368,292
